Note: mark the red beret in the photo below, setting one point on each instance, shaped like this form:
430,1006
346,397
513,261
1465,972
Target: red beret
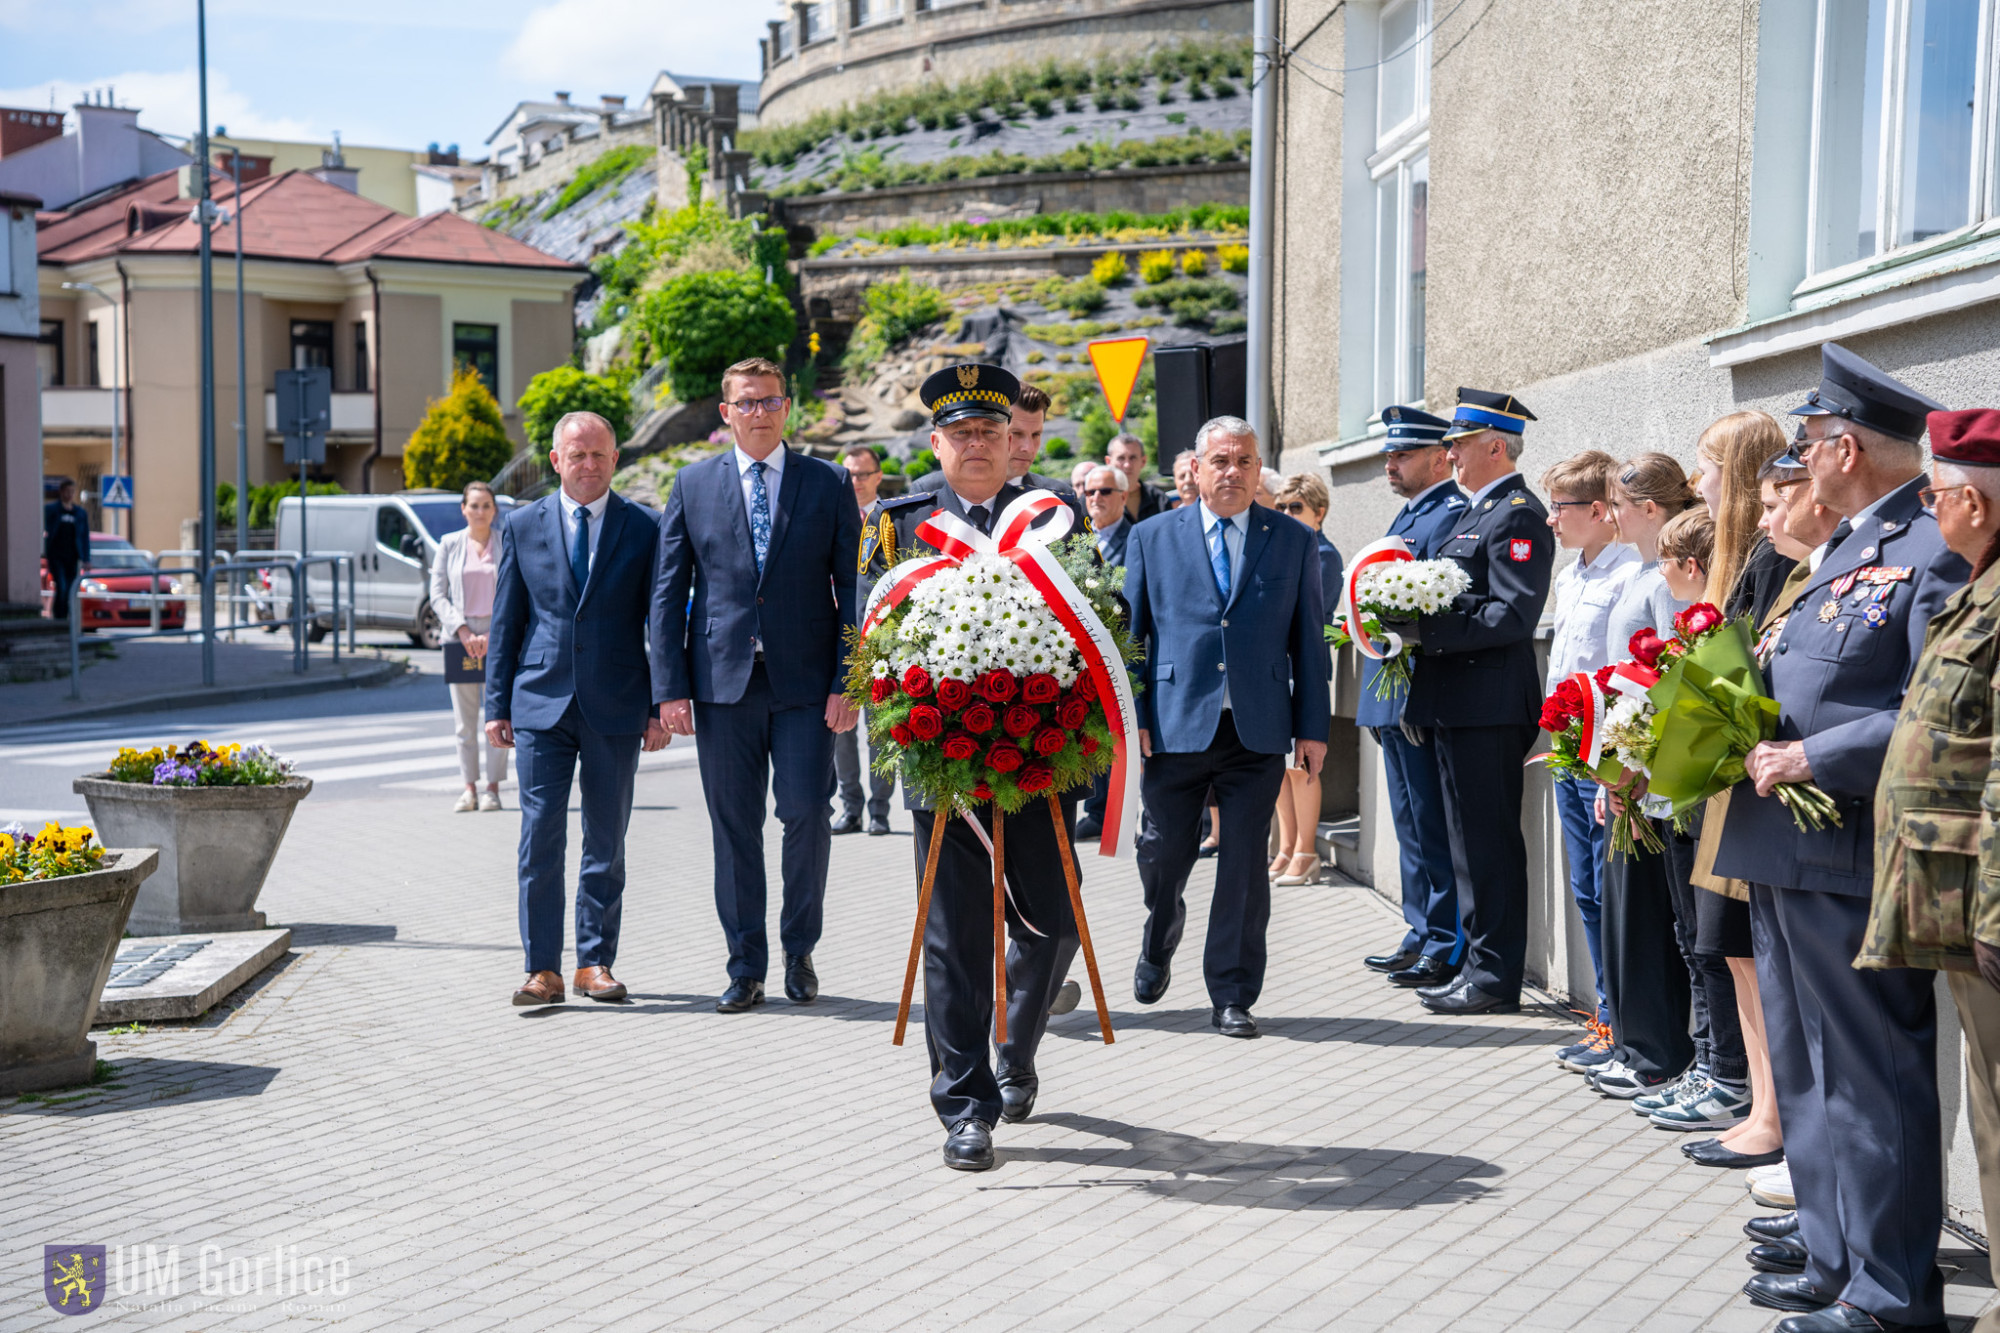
1971,436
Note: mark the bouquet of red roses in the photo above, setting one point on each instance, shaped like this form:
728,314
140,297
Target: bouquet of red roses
1600,728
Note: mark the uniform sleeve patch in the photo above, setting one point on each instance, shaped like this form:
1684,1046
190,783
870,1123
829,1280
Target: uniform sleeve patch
1521,550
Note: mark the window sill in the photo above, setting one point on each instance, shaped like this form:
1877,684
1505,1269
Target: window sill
1354,448
1932,281
887,21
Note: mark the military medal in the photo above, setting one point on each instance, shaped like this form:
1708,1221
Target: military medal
1876,615
1828,611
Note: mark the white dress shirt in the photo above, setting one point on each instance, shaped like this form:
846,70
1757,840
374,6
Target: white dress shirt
774,472
1234,530
592,514
1487,489
1585,591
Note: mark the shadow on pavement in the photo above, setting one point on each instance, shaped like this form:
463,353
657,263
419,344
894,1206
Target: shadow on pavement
308,934
148,1080
1260,1175
1313,1028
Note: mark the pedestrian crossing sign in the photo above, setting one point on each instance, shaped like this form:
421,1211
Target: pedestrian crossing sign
114,492
1118,362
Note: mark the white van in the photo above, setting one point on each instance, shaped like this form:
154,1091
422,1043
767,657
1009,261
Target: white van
393,539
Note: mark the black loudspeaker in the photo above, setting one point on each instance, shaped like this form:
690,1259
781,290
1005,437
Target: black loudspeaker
1195,383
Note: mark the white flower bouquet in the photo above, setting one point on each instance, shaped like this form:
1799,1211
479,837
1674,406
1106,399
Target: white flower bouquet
1388,586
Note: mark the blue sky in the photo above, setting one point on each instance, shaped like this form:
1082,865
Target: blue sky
397,73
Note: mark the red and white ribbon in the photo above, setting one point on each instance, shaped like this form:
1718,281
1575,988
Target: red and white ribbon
1633,678
1387,551
1590,744
1017,539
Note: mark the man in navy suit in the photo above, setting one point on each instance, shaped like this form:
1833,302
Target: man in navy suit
1853,1053
765,538
1478,687
1227,607
1433,947
567,684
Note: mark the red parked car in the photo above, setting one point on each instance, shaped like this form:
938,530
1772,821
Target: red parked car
118,572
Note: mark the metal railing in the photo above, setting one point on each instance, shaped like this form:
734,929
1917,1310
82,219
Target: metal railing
246,582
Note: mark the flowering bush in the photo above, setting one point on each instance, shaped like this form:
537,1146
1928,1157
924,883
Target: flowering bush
200,764
51,854
1398,590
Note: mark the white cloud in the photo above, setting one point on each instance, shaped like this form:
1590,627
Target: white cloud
617,46
168,101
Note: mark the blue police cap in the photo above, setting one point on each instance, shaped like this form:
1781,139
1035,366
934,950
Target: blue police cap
1856,391
1480,410
1411,429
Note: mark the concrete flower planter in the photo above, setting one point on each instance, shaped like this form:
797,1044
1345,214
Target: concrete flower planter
57,940
216,846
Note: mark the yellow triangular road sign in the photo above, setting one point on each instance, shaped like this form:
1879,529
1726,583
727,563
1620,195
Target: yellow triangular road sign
1117,362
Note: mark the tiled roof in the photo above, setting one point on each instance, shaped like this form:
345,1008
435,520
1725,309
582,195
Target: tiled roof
293,216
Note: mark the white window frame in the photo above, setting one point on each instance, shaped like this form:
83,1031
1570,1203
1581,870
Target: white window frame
1398,148
1983,185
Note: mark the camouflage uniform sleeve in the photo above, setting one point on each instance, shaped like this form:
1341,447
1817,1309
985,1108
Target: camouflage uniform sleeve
1983,914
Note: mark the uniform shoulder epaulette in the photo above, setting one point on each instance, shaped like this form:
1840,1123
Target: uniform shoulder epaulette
912,497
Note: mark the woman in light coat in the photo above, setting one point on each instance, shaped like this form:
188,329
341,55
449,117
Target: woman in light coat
463,578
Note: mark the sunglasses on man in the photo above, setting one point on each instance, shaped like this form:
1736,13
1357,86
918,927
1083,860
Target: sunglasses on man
1096,491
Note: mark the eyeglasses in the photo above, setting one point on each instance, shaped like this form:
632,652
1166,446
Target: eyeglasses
1560,505
1293,507
1097,491
1928,496
752,406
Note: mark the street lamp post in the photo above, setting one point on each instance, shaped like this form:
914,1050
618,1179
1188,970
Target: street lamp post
242,380
117,413
203,209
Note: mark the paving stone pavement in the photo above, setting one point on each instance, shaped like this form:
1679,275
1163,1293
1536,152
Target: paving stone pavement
655,1165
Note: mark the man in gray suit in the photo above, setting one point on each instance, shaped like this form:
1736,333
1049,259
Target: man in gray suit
1853,1053
864,471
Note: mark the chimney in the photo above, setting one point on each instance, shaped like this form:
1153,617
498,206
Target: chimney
562,99
340,177
613,102
21,128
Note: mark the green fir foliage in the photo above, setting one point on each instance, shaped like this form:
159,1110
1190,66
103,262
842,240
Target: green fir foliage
460,439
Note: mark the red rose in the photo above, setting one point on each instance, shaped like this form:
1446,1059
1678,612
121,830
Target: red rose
958,745
1646,646
997,686
926,722
1090,745
978,719
1034,778
1040,688
1603,678
1003,758
1085,687
901,735
953,694
881,689
916,682
1697,620
1073,713
982,792
1049,740
1021,720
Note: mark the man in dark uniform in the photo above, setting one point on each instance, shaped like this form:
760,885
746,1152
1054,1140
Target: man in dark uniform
969,419
1853,1052
1433,948
1024,443
65,544
1476,686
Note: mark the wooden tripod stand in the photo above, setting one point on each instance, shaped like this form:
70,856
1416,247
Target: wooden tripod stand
1000,923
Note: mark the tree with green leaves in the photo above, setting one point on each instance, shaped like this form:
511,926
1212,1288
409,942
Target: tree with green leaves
553,393
702,323
461,438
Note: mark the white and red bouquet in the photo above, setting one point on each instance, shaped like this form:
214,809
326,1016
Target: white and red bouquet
1389,586
1601,727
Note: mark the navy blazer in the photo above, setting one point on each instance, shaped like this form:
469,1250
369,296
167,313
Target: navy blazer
1115,542
550,642
801,607
1425,524
1839,682
1268,642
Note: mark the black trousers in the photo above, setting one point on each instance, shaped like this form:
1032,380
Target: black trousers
1483,785
1718,1032
1174,789
62,573
958,952
1646,977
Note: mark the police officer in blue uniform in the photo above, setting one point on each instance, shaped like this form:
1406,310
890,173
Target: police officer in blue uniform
1852,1052
970,409
1477,688
1433,947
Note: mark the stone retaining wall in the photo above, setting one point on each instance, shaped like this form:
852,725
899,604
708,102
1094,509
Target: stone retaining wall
1135,189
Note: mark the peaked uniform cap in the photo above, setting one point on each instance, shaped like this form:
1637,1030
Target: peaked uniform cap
1411,429
970,390
1854,390
1479,409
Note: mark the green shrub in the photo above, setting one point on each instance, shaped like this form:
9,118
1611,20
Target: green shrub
1156,266
1233,258
1230,323
1081,297
1110,270
603,170
1190,299
921,462
890,312
460,439
892,466
704,322
665,242
1068,335
1056,447
566,389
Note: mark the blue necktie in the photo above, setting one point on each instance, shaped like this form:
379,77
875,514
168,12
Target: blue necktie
579,550
760,515
1218,559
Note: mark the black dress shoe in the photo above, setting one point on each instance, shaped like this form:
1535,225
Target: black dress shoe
1088,830
1149,981
1466,998
1784,1255
1393,962
878,828
1844,1318
1776,1227
1017,1094
847,824
1426,971
1233,1020
1456,984
1785,1291
969,1146
1710,1152
743,992
801,982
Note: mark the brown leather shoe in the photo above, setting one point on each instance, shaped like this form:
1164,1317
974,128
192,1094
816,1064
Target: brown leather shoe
597,983
540,988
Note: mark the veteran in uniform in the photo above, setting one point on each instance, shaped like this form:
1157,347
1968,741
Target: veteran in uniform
1852,1051
970,409
1937,867
1476,687
1433,948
